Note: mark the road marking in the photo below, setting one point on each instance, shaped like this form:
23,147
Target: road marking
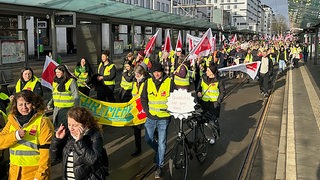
291,171
312,94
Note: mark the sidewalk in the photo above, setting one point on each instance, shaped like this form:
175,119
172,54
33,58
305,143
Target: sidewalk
290,146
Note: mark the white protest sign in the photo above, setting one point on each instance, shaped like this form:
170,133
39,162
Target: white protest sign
180,102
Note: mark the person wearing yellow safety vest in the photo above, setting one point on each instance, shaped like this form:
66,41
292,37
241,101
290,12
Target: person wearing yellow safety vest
28,81
65,95
210,93
154,98
282,58
107,76
27,134
249,57
295,54
126,83
181,76
178,56
141,75
83,72
160,53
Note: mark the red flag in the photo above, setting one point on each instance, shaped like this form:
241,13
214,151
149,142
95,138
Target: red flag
151,44
203,48
193,41
179,41
167,43
234,39
48,73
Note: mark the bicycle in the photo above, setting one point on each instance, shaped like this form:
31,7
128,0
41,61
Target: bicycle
182,150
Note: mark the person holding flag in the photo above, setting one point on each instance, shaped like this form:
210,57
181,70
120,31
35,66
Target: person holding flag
141,75
65,95
83,73
210,93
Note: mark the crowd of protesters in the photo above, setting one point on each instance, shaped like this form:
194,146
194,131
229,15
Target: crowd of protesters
141,76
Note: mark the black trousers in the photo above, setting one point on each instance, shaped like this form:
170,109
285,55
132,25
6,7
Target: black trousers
264,82
84,90
137,136
105,93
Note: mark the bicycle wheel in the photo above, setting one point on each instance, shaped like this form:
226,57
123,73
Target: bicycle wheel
178,162
201,144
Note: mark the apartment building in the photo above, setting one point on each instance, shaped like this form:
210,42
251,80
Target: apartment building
244,14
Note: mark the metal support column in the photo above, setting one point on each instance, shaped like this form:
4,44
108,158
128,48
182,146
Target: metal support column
53,36
316,51
111,40
132,33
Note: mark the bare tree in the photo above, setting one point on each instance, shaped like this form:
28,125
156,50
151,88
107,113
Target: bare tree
279,24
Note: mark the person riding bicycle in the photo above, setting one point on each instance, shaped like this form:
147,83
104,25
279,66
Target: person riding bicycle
210,93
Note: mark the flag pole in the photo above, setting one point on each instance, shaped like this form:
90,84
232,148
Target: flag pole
85,84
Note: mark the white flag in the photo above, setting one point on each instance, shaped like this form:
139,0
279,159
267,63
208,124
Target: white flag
250,68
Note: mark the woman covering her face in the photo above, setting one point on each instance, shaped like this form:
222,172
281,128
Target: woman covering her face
82,148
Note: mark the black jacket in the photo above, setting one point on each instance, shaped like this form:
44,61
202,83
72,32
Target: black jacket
87,154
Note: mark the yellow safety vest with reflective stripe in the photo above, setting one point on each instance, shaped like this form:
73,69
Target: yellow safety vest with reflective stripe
26,151
62,99
135,91
107,73
29,85
82,78
158,99
179,81
210,92
125,84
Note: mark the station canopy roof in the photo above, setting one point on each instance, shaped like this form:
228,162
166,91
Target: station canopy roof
304,13
115,9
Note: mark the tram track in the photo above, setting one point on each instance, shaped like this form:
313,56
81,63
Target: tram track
147,170
251,153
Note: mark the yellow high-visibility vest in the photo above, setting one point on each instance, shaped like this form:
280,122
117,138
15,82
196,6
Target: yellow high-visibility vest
135,91
82,78
29,85
26,151
179,81
125,84
62,99
210,92
249,58
158,99
107,73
